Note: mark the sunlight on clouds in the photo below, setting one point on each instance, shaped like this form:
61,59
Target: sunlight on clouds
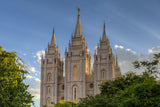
32,69
29,76
121,47
37,80
131,51
116,46
154,50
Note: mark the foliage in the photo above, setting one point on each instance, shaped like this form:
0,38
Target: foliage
13,91
143,93
150,67
130,89
63,103
146,94
110,88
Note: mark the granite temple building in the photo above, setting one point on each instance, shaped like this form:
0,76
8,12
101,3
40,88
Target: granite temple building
73,79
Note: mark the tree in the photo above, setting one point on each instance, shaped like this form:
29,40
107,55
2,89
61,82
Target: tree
62,103
130,90
13,91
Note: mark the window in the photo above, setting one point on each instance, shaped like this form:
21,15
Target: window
63,87
49,77
75,73
109,57
91,85
49,90
55,60
75,93
48,101
103,74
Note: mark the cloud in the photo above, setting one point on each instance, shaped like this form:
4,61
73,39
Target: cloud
29,76
118,46
131,51
24,54
37,80
154,50
32,69
126,57
39,55
35,91
95,47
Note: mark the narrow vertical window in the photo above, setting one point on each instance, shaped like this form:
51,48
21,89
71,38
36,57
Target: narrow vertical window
75,93
103,74
48,101
75,73
49,90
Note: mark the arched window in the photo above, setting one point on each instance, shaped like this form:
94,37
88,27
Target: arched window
103,74
48,101
75,73
49,90
49,77
75,93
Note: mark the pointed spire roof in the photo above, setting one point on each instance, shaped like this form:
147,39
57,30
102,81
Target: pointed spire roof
53,41
104,37
78,30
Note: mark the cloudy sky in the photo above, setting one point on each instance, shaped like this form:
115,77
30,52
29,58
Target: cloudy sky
132,26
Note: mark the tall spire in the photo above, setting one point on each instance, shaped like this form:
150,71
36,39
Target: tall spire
53,41
104,37
78,30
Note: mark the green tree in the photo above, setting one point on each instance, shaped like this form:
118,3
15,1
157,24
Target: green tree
13,91
63,103
146,94
130,90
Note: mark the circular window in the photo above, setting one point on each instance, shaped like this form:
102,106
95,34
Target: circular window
91,85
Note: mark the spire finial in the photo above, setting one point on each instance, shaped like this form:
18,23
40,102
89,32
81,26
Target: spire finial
78,11
53,41
53,29
78,30
104,37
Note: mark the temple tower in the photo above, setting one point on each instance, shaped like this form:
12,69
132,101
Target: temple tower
77,65
52,82
104,63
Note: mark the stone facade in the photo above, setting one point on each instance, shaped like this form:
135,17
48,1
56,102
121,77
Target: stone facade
78,81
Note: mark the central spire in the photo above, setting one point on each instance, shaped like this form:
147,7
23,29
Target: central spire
78,30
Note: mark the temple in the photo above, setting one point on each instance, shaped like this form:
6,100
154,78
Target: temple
77,81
